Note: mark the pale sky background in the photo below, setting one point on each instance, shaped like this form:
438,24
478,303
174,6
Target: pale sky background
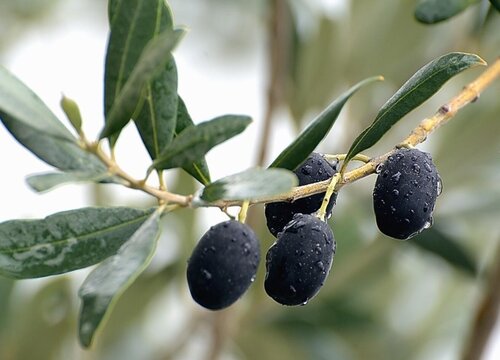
66,55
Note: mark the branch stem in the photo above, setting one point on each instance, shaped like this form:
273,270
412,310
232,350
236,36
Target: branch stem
470,93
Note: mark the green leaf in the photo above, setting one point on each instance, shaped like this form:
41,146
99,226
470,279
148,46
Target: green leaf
133,23
154,58
48,181
198,168
158,116
433,11
307,141
421,86
105,284
20,104
113,7
439,244
495,4
65,241
72,111
194,142
63,154
252,184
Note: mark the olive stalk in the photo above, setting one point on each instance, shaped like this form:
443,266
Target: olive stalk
419,134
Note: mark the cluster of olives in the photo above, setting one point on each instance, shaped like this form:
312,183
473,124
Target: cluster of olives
225,261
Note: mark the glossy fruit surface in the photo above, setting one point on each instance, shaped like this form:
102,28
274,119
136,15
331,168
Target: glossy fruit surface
299,261
223,264
314,169
405,193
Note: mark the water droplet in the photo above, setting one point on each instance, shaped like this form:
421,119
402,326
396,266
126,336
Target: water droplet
407,221
379,168
299,265
300,224
382,201
426,207
427,224
320,265
416,168
395,177
316,228
391,158
408,194
253,278
427,167
293,290
393,209
246,248
439,186
306,170
317,249
385,174
233,239
413,158
320,171
399,156
206,274
414,183
304,303
212,249
395,192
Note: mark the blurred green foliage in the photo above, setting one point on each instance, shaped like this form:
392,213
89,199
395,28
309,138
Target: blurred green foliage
383,299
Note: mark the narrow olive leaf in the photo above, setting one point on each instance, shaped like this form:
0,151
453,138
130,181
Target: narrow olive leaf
199,167
65,241
107,282
113,7
20,104
421,86
433,11
133,24
252,184
157,118
495,4
60,153
48,181
441,245
307,141
196,141
154,58
72,111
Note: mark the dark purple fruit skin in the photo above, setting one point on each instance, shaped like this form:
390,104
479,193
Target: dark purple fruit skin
314,169
405,193
223,264
299,261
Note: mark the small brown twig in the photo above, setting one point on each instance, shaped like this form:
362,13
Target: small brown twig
279,32
486,314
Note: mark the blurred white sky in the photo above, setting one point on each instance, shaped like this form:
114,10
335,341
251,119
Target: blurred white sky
66,55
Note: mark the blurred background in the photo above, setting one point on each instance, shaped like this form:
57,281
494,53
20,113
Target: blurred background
281,62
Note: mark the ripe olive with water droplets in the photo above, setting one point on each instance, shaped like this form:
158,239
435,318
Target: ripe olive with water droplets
315,168
299,261
405,193
223,264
